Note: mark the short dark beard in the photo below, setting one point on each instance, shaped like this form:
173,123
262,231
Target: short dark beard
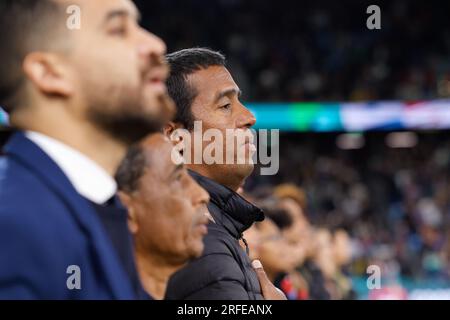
126,121
128,126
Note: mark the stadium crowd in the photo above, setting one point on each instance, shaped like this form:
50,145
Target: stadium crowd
391,204
318,50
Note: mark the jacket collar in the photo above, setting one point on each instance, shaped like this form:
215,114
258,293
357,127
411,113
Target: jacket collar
34,159
89,178
237,213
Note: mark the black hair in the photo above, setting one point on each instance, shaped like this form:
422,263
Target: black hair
182,64
131,169
24,26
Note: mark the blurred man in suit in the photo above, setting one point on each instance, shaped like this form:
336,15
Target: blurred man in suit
78,97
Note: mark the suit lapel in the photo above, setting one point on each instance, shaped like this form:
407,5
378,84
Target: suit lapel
31,156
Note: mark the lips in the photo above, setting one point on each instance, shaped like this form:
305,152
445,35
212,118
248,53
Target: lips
158,85
250,146
249,143
247,136
202,229
157,77
202,224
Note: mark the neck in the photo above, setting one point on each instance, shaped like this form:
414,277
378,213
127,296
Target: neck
80,135
154,272
224,179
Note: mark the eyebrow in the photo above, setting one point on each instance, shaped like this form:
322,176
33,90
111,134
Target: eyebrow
228,92
122,13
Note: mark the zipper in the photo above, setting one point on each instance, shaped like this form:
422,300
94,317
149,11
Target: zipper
250,284
247,249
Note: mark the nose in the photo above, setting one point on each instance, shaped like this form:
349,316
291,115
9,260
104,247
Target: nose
151,45
246,119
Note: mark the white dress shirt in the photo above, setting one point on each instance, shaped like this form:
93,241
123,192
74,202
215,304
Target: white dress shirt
89,179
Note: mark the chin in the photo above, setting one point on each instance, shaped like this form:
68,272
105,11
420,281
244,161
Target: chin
244,170
197,250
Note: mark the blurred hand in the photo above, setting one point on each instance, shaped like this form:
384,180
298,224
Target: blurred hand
269,291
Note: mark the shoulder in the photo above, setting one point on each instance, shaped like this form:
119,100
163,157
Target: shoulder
218,264
22,190
204,274
38,239
31,215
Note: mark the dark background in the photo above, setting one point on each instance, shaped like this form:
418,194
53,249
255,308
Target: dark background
316,50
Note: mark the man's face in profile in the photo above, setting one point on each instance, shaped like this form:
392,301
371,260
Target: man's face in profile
217,106
118,69
168,213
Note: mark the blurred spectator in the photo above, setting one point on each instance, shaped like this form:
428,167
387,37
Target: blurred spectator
274,250
341,249
387,200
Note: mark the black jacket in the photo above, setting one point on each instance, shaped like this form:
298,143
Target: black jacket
224,271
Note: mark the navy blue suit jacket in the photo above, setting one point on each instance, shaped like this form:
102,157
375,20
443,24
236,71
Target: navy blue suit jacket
45,227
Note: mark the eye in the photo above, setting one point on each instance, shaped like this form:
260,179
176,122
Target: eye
120,32
179,176
225,107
